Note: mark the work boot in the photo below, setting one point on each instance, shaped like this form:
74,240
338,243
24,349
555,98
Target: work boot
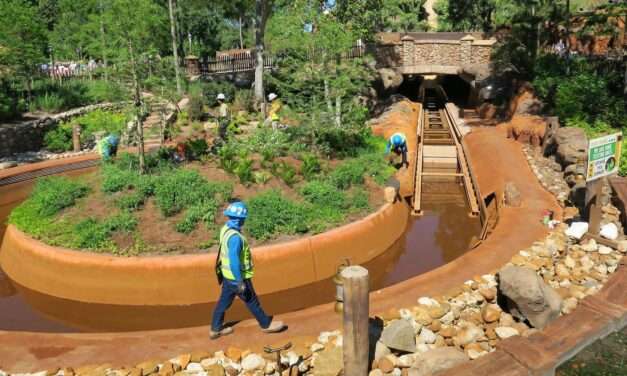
223,332
275,327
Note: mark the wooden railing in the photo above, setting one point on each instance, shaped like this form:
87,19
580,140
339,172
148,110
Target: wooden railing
246,61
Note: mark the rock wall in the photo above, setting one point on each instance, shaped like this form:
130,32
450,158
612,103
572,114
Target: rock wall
29,136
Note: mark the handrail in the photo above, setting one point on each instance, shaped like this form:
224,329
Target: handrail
418,171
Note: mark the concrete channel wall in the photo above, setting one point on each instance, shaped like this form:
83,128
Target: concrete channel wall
190,279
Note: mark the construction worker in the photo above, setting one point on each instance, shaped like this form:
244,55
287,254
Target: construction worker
108,147
398,144
224,116
273,114
235,270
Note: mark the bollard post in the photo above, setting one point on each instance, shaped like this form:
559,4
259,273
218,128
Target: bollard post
76,137
356,307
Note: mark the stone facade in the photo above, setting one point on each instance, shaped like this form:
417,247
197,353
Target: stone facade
29,136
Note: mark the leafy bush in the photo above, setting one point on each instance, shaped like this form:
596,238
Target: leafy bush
211,89
244,171
196,109
348,174
227,154
48,102
377,167
131,201
94,234
244,100
58,139
359,199
261,177
272,214
323,193
205,212
50,195
311,166
285,172
100,91
195,149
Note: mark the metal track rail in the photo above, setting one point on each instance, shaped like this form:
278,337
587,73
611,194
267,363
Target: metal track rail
440,153
46,171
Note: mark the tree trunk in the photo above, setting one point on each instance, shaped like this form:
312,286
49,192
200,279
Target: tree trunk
338,111
103,41
138,104
260,25
241,36
327,96
179,91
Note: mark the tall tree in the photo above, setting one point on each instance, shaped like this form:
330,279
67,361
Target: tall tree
174,47
262,10
135,25
23,40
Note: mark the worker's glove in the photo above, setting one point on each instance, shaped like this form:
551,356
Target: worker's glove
241,287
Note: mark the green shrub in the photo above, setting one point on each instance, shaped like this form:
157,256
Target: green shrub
131,201
261,177
211,89
115,179
311,166
105,91
285,172
49,102
359,199
227,154
377,167
50,195
93,234
323,193
195,149
196,109
347,174
272,214
244,171
58,139
205,212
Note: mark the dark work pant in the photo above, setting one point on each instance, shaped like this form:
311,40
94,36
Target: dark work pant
223,125
229,292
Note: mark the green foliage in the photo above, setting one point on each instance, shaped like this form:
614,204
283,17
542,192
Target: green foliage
58,139
273,214
311,166
359,199
347,174
50,196
377,167
49,102
323,193
261,177
204,212
196,149
285,172
93,234
211,89
196,108
227,155
244,171
131,201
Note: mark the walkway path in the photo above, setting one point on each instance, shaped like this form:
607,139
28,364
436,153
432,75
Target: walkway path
517,229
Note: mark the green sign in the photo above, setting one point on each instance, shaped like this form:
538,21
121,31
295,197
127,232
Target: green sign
603,156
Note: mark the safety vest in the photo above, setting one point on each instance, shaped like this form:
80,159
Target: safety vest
104,148
245,257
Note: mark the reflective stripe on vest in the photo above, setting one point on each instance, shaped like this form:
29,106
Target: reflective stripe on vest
245,257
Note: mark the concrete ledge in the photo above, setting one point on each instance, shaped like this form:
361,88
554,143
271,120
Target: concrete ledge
190,279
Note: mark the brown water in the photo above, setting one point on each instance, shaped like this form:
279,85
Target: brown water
439,236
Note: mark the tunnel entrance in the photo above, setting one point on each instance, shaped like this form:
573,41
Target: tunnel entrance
458,90
410,87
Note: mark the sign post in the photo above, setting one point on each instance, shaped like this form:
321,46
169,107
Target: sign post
603,160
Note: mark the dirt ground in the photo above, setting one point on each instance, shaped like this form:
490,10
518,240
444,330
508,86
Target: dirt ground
607,357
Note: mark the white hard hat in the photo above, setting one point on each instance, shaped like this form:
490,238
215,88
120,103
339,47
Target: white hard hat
221,97
272,97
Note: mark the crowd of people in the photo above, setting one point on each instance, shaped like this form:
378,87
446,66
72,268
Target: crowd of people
60,70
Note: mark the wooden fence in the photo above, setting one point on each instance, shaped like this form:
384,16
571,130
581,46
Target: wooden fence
246,61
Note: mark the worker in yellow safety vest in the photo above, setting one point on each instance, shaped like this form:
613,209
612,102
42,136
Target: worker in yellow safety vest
235,270
273,113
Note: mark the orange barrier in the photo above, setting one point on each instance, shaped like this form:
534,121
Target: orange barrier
190,279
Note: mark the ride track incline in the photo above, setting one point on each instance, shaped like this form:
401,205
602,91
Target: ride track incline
517,229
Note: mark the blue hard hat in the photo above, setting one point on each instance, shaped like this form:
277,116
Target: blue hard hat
398,139
236,210
114,140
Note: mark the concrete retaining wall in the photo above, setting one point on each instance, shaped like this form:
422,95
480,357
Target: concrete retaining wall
190,279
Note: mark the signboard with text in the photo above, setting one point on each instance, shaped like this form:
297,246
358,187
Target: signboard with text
603,156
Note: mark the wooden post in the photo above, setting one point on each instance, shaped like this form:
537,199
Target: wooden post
356,308
76,137
594,190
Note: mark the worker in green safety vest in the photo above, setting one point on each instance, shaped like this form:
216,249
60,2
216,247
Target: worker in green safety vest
235,270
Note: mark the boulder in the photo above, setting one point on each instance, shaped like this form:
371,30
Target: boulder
253,362
329,362
399,335
437,360
528,296
571,145
390,79
512,195
529,105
